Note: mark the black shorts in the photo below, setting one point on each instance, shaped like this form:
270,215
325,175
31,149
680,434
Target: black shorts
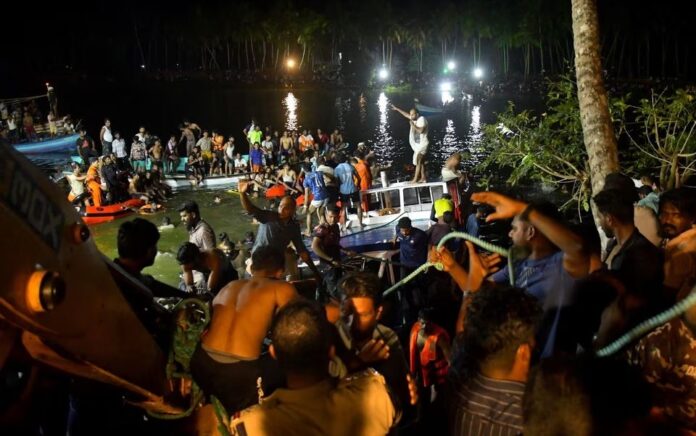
234,384
354,197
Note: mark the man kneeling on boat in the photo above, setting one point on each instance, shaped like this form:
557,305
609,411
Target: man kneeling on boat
229,360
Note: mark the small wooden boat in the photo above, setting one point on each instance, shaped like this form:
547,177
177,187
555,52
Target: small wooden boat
103,214
53,145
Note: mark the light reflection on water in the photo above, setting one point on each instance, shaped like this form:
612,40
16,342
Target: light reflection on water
446,97
290,103
383,142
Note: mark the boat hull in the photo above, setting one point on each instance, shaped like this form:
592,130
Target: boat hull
54,145
102,214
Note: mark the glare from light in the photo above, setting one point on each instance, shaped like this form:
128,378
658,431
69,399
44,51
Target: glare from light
476,123
451,65
142,66
383,142
445,86
446,97
478,73
290,63
383,73
290,102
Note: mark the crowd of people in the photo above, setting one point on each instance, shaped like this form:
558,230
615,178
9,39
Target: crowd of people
481,347
22,120
475,349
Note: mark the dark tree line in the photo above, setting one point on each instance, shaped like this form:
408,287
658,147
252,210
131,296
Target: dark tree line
508,37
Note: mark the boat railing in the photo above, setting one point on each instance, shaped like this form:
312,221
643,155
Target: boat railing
403,197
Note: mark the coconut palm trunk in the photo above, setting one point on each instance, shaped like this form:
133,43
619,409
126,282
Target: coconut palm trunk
597,128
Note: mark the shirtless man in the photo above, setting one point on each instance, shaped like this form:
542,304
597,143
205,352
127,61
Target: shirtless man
418,139
228,361
157,154
285,145
337,139
187,134
212,263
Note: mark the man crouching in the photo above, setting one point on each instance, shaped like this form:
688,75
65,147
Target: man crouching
228,362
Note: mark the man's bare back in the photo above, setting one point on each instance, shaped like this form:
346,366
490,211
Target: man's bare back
242,315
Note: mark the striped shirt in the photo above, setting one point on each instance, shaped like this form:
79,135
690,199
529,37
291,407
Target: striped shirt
485,406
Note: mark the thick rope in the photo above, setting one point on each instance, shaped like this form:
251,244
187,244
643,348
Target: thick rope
485,245
650,324
411,276
454,235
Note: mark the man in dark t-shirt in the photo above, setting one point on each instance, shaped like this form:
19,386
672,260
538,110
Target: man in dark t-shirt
413,247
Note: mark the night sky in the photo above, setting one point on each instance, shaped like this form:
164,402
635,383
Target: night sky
111,39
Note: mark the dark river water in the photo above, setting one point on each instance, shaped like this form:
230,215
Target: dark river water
162,107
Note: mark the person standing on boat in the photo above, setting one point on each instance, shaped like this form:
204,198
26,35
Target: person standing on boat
418,139
349,191
229,156
172,156
106,138
413,248
119,148
52,99
187,134
52,126
85,148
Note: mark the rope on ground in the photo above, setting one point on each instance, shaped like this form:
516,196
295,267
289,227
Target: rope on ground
650,324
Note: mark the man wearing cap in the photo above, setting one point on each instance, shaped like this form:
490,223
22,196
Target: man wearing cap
200,232
413,247
444,209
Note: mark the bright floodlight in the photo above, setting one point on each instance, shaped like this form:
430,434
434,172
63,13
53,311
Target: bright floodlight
445,86
290,63
478,73
383,73
451,65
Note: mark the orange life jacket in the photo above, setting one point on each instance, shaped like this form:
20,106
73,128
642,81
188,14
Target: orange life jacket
433,368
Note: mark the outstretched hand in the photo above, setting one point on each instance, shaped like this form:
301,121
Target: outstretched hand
480,266
505,207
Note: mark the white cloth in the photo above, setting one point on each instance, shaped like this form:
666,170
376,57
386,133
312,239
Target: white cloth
107,137
448,174
229,152
418,141
119,148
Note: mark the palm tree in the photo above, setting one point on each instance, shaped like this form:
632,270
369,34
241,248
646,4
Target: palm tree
597,128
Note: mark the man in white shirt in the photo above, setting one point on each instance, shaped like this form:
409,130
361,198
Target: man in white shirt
106,138
418,139
119,149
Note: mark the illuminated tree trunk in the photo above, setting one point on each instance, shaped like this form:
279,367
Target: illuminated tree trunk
597,128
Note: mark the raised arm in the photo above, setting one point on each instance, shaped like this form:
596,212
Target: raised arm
402,112
244,198
575,259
